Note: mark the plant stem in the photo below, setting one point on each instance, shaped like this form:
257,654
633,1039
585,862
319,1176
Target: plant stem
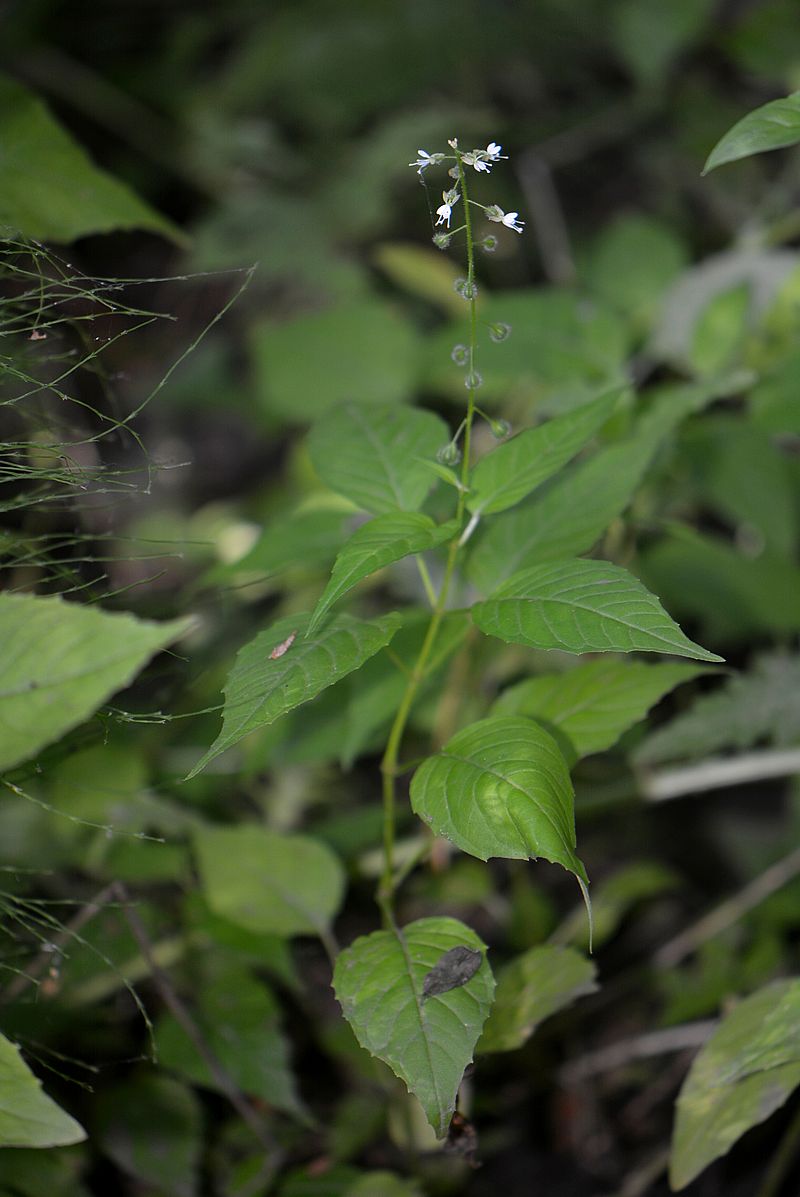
389,881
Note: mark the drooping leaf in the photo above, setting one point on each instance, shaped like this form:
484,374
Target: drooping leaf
49,187
531,988
380,542
582,606
379,981
370,454
60,662
511,471
28,1117
240,1022
760,705
770,127
500,787
269,882
362,350
282,668
151,1127
592,705
746,1071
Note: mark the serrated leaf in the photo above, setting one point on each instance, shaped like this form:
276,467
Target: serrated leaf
582,606
747,1070
501,788
592,705
370,454
28,1117
531,988
262,687
379,981
515,468
770,127
761,705
385,539
50,189
60,662
268,882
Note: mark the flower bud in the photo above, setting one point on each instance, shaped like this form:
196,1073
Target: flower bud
449,454
460,355
499,429
441,240
499,332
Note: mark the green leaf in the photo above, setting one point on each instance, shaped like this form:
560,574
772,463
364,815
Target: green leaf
305,538
383,540
514,469
650,36
582,606
28,1117
50,189
151,1127
501,787
718,336
533,986
362,351
747,1070
262,687
370,454
60,662
589,707
384,1184
632,262
427,273
240,1022
268,882
427,1043
770,127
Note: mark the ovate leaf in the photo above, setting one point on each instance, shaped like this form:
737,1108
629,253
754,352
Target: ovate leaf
268,882
49,187
592,705
428,1043
531,988
582,606
370,454
747,1070
383,540
501,787
514,469
282,668
28,1117
60,662
769,127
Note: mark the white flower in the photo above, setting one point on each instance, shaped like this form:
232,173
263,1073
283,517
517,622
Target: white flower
492,152
509,219
444,212
477,159
426,159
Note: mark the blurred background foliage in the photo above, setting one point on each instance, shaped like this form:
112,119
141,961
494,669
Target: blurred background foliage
277,134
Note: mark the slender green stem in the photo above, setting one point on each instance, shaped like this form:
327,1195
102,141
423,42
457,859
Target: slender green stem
389,881
426,580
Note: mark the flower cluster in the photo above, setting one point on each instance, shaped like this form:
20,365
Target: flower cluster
481,161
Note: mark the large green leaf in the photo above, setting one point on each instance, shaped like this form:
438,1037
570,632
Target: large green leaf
514,469
770,127
589,707
268,882
49,188
746,1071
531,988
569,514
501,787
383,540
28,1117
281,669
151,1126
582,606
60,661
371,454
362,350
310,539
240,1021
427,1042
